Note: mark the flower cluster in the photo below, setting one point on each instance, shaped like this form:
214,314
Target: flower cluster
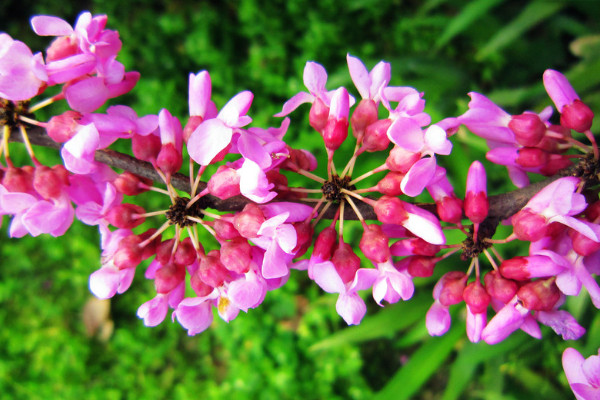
228,258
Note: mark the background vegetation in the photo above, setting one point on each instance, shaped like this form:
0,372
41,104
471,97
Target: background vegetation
294,345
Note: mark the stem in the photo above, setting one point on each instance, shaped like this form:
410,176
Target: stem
370,202
27,144
156,234
43,103
592,140
33,121
368,174
358,214
150,214
310,175
341,231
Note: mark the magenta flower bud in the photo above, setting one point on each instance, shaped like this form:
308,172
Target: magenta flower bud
476,202
299,159
168,277
61,48
529,226
523,268
249,220
150,249
390,184
500,288
169,159
185,254
62,127
47,182
476,297
236,255
200,288
400,160
414,246
420,266
336,129
592,212
124,216
318,115
531,157
452,287
224,183
346,262
364,115
390,210
376,138
374,244
130,184
324,244
450,209
555,163
18,179
129,253
528,128
539,295
304,234
164,251
191,126
146,147
583,245
225,229
212,271
577,116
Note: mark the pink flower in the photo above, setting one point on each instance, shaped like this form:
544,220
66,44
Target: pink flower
21,73
583,374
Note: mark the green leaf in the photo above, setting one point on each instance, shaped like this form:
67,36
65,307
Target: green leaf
384,324
468,15
421,366
469,358
532,15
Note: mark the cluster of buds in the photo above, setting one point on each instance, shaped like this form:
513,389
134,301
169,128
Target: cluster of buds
240,233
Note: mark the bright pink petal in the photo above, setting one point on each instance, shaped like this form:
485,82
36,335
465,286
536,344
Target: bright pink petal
406,133
315,78
199,93
475,325
506,321
559,89
418,176
436,140
104,282
563,323
325,275
78,152
194,314
423,224
572,362
233,114
295,102
247,292
87,95
437,319
154,311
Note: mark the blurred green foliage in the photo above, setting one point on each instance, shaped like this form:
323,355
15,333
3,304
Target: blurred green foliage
294,345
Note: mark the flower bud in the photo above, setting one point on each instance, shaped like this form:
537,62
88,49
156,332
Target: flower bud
539,295
130,184
125,216
529,226
421,266
583,245
164,251
304,234
191,126
453,285
390,184
236,255
168,277
129,253
346,262
318,115
212,271
450,209
476,202
225,229
324,244
249,220
400,160
185,254
528,128
62,127
577,116
200,288
500,288
169,159
18,179
390,210
47,182
150,249
374,244
376,138
364,115
224,183
146,148
531,157
476,297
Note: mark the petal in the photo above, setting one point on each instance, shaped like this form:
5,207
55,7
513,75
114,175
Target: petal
406,133
104,282
559,89
505,322
418,176
475,325
563,323
351,308
325,275
154,311
315,78
295,102
437,319
45,25
208,140
360,76
87,95
235,108
194,314
572,362
199,93
423,224
436,140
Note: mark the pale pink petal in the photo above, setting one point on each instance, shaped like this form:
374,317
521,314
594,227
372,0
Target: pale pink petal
315,78
591,369
351,308
274,262
437,319
563,323
45,25
475,325
340,104
208,140
232,112
406,133
295,102
436,140
360,76
247,292
154,311
559,89
418,176
254,183
78,152
325,275
194,314
424,225
295,211
199,93
48,217
572,362
104,282
506,321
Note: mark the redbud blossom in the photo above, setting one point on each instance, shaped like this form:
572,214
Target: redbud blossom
476,202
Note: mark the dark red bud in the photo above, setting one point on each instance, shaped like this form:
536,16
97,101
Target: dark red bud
125,216
476,297
346,262
528,128
364,115
168,277
249,220
318,116
500,288
529,226
539,295
374,244
515,268
577,116
421,266
454,283
376,138
390,210
236,255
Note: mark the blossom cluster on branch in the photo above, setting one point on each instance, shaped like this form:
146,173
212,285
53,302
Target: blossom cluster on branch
248,251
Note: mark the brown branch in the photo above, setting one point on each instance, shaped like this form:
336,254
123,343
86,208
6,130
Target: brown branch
502,206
